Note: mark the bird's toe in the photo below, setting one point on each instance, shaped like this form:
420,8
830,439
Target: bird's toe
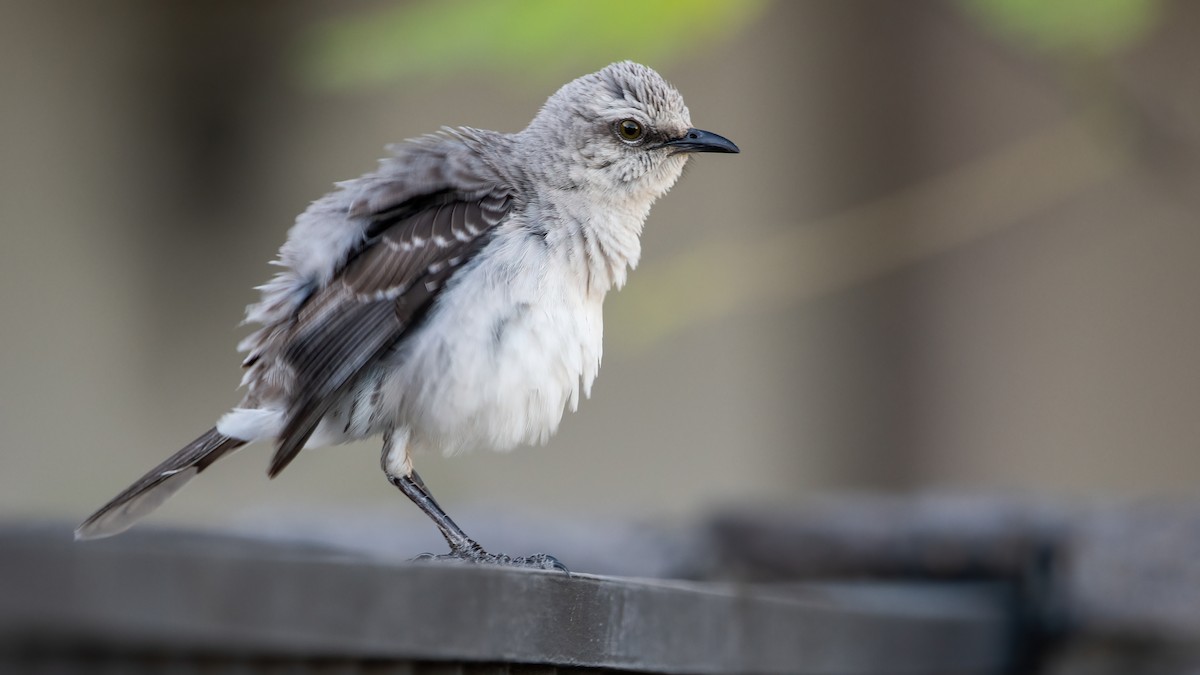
475,555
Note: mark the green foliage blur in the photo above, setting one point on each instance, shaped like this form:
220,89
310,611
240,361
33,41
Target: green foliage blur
1068,28
542,41
535,40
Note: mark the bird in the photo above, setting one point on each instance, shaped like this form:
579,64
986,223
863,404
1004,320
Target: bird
452,298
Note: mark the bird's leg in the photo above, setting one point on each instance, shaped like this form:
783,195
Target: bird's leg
413,489
416,478
401,474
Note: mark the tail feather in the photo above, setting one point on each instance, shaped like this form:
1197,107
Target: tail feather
151,490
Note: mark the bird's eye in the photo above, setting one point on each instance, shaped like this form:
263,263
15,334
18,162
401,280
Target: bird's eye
630,130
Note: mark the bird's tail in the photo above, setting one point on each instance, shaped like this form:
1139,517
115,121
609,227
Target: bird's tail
151,490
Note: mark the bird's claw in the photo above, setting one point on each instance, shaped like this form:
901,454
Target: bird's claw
475,555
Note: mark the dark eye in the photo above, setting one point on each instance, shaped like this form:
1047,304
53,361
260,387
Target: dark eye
630,130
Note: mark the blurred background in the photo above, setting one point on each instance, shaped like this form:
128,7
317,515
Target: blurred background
958,253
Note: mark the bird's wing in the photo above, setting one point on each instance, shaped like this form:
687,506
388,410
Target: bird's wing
410,251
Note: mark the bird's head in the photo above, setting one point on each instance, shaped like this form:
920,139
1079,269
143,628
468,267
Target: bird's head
623,131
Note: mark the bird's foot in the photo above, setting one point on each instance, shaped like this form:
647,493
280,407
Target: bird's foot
474,554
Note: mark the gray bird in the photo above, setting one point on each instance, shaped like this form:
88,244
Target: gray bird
452,298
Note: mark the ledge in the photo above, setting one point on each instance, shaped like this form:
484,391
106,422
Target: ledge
227,597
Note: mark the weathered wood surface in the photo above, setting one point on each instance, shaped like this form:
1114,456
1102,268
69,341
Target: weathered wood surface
182,595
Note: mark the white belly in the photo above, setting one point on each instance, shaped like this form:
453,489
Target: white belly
501,357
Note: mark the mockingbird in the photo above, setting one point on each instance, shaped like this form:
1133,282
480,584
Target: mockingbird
452,298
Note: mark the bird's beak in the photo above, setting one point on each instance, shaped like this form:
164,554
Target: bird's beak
697,140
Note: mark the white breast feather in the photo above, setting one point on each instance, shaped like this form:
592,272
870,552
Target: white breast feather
507,350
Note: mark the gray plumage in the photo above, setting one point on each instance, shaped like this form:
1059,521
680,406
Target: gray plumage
452,298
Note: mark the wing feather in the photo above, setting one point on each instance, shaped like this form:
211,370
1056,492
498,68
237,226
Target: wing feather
377,298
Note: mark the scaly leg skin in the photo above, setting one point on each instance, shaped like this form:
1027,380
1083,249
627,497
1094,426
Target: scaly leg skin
462,548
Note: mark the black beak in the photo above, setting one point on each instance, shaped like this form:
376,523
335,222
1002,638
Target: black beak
696,140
